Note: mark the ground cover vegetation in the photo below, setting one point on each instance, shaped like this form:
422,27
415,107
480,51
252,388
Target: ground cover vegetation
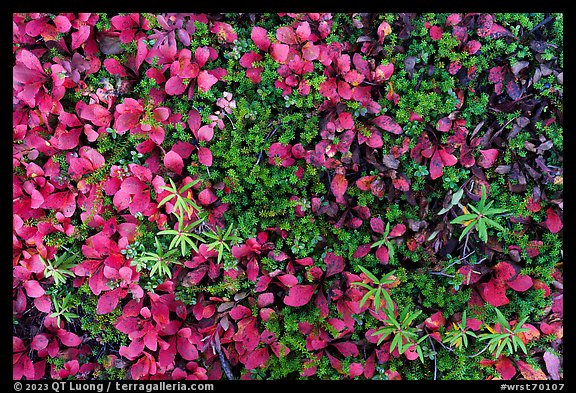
287,196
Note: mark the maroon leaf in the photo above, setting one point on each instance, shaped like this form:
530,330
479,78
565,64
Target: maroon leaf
39,342
377,225
339,186
362,251
488,157
299,295
334,264
387,124
529,372
444,124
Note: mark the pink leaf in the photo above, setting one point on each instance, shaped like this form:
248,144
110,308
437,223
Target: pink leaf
68,338
62,23
435,321
299,295
205,156
174,86
334,264
364,182
39,342
377,225
279,52
174,162
33,289
398,230
205,133
553,222
552,365
347,348
286,35
260,37
107,302
206,80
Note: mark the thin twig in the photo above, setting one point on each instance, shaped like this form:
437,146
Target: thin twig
485,348
224,362
441,274
270,134
434,349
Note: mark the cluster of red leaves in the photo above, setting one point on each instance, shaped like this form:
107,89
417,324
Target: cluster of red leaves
168,338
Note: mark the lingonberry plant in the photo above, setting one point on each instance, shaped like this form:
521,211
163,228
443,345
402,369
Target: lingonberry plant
287,196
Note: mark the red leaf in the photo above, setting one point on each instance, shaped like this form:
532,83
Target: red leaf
362,251
505,368
240,312
436,33
494,292
97,114
364,182
339,186
504,271
334,264
553,222
207,197
80,36
206,80
521,283
260,37
435,321
62,23
529,372
33,289
398,230
436,165
387,124
488,158
383,72
257,358
108,302
174,162
384,29
279,52
472,47
299,295
205,156
68,338
377,225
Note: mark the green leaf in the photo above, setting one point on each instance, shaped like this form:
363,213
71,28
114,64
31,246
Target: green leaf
362,285
377,299
457,196
466,230
186,187
501,319
463,218
166,199
482,230
366,297
395,342
494,224
369,275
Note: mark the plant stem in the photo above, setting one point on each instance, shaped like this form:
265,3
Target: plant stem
485,348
